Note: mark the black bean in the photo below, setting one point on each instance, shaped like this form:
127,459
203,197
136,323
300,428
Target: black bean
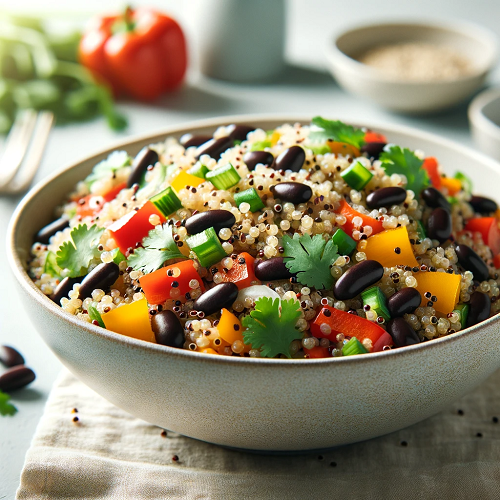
167,329
294,192
471,261
272,269
439,225
213,300
291,159
239,132
16,377
190,140
49,230
358,278
483,205
405,301
373,149
214,147
64,287
434,198
10,357
102,277
253,158
386,197
479,308
401,332
142,161
217,219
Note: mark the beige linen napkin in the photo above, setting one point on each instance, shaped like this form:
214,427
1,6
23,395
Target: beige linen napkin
108,454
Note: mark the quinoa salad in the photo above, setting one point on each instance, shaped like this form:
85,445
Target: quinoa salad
307,241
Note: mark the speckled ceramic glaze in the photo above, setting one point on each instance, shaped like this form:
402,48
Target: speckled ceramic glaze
261,404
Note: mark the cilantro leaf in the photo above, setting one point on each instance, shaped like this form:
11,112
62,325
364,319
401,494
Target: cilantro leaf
51,267
6,408
396,160
76,255
310,258
159,246
270,327
107,167
336,130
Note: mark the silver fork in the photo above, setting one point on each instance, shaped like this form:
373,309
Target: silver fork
24,148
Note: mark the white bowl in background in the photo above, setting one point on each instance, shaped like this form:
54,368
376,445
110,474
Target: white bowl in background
474,42
484,120
260,404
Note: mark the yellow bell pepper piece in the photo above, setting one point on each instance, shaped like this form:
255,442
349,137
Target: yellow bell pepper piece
131,320
446,287
344,149
229,327
183,179
275,137
452,185
383,247
208,350
217,343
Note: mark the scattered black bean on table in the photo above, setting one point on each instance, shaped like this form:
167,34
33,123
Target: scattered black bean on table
142,161
358,278
16,377
294,192
10,357
291,159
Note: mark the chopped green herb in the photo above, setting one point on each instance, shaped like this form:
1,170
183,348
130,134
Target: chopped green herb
466,182
6,408
319,149
270,327
77,254
335,130
51,267
260,146
117,256
396,160
310,258
159,246
95,315
107,167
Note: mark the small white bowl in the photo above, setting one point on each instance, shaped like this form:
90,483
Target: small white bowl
484,119
474,42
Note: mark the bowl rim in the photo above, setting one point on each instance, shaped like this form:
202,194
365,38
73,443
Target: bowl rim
17,268
476,111
460,27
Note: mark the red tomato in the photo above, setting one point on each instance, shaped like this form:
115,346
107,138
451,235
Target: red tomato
488,227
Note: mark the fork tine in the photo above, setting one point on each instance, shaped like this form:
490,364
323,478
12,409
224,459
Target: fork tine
17,144
34,156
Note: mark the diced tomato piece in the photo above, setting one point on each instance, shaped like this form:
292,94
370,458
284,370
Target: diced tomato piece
349,213
375,137
350,325
158,285
318,352
134,226
113,193
242,273
488,227
431,165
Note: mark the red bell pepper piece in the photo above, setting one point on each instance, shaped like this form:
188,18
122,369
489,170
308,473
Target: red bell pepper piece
431,165
157,286
317,352
242,273
92,204
375,137
496,261
141,53
383,340
349,213
350,325
133,227
488,227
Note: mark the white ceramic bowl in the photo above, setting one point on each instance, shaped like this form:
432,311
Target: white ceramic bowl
477,43
484,119
260,404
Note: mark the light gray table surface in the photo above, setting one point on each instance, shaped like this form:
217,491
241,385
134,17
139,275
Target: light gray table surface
298,90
